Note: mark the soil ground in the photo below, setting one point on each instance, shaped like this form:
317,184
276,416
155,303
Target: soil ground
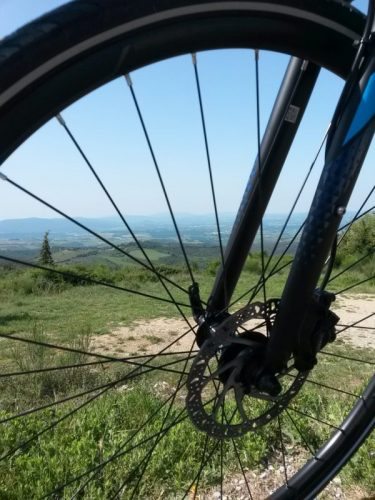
151,336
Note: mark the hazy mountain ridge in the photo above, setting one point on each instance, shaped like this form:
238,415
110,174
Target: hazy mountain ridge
37,226
200,230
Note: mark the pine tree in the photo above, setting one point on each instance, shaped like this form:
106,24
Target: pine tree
45,255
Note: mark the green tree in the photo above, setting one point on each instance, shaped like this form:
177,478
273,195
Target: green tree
360,238
45,255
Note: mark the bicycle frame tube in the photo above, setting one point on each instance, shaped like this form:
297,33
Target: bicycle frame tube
353,129
295,91
344,158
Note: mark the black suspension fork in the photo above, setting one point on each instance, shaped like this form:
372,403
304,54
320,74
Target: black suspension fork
352,131
291,102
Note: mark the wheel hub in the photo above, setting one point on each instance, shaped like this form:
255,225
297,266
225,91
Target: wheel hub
246,359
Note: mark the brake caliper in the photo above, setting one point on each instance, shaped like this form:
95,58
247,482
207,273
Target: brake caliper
317,330
205,322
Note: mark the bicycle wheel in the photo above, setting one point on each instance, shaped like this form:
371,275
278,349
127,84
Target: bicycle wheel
101,418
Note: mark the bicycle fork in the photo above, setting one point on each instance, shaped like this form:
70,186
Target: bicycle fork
303,313
350,137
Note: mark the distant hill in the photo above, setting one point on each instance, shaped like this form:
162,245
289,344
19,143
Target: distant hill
34,225
26,234
191,222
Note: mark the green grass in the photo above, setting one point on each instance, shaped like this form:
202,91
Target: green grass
99,432
96,432
153,254
28,297
65,311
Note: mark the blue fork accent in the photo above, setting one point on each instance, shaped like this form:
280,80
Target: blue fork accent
365,111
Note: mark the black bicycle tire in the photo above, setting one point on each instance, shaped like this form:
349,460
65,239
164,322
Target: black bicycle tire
29,57
28,76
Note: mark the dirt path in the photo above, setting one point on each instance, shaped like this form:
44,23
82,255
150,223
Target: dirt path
353,308
148,336
151,336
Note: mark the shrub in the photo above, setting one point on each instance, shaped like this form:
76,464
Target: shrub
212,267
360,238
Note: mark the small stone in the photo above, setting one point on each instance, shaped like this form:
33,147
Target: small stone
241,481
336,480
217,494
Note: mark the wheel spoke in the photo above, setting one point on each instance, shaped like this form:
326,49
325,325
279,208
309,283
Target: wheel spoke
283,450
92,354
132,375
301,435
300,412
88,230
368,254
120,214
148,457
37,435
242,468
349,358
91,363
355,323
182,415
275,269
221,465
209,456
349,225
119,453
156,165
201,467
134,441
257,95
326,386
356,217
204,129
360,327
291,211
277,242
343,290
192,488
54,368
255,289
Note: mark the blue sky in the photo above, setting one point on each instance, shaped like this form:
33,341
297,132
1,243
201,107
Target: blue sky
106,125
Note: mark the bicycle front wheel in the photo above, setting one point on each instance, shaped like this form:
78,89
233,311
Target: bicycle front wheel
104,364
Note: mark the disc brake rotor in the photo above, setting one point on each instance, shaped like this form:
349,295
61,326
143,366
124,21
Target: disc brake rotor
209,409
